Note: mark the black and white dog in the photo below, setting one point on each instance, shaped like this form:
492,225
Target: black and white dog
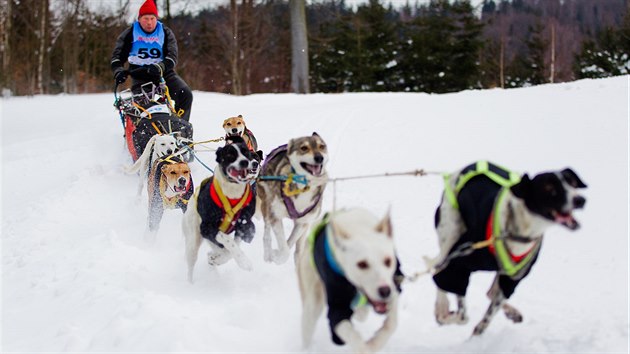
222,207
505,214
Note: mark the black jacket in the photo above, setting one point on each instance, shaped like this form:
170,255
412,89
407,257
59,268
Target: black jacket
212,216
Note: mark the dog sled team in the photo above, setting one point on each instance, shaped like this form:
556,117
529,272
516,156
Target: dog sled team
489,219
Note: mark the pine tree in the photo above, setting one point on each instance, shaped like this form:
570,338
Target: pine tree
608,56
376,48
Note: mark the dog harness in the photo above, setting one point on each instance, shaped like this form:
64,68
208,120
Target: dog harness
499,175
511,265
231,207
290,188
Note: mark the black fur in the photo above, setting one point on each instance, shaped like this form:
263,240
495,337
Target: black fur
212,215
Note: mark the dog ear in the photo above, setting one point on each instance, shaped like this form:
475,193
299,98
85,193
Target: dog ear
260,154
290,145
385,226
240,116
572,178
338,232
220,154
315,134
520,189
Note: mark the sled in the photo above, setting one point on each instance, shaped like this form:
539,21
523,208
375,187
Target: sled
147,112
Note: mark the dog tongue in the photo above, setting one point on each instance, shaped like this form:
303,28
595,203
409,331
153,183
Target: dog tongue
567,220
315,169
379,307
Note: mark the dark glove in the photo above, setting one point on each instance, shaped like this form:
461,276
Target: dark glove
155,71
121,76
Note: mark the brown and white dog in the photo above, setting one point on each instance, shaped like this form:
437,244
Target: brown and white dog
169,186
221,210
506,215
235,126
299,199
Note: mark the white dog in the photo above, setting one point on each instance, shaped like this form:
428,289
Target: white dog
158,146
349,256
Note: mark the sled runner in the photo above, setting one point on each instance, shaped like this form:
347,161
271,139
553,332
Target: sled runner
146,112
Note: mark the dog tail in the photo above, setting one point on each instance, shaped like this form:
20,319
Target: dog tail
146,154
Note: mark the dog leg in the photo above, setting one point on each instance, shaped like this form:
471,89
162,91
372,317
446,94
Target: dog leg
280,255
193,242
267,243
442,312
495,304
156,211
297,233
240,257
312,293
313,298
510,311
350,336
377,342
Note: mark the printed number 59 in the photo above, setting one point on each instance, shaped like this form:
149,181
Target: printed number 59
153,53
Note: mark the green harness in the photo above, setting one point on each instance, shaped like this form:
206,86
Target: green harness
498,174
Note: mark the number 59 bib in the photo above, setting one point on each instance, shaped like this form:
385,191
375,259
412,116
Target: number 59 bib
147,48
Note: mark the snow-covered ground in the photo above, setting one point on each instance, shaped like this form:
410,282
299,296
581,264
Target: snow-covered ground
77,276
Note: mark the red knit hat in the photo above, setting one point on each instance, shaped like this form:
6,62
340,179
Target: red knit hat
148,8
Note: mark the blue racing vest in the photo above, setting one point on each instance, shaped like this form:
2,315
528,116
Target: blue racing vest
146,48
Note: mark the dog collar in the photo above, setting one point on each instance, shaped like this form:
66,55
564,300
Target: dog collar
359,299
512,266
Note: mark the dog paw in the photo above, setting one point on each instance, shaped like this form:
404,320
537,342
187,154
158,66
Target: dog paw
479,329
244,263
512,313
451,318
218,257
280,256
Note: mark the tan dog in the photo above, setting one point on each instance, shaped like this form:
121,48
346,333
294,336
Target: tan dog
169,186
235,126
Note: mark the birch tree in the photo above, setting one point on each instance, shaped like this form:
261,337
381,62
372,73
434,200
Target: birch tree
299,47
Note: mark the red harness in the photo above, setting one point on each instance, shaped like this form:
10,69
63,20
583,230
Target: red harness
489,235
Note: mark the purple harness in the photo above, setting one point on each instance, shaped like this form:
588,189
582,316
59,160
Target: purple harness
288,202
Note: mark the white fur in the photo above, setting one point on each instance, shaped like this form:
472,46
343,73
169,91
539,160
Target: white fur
158,146
357,236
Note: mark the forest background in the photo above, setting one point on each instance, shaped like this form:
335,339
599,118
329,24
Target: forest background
243,47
